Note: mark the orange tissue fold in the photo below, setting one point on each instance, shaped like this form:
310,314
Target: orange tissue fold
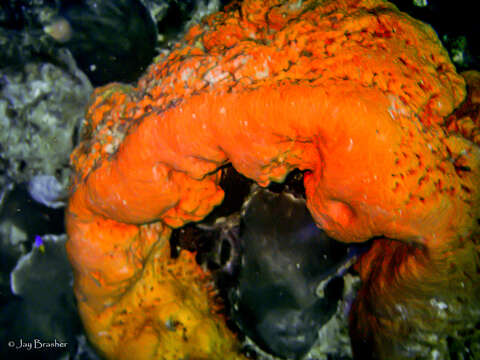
360,96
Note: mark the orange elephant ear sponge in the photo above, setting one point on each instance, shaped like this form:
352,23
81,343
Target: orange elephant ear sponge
425,299
355,93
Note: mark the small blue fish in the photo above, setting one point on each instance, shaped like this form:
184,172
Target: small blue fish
38,243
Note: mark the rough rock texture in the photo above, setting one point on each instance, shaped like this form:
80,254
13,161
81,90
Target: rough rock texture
355,93
40,109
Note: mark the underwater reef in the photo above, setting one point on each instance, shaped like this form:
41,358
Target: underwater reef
216,205
355,94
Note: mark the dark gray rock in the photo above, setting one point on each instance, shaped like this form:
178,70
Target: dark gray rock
288,286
